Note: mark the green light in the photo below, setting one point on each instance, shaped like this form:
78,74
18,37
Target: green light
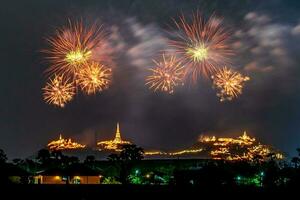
238,178
137,171
262,173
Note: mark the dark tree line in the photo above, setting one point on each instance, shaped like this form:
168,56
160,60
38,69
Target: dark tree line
268,173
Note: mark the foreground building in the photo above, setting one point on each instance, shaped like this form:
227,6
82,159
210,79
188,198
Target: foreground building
74,174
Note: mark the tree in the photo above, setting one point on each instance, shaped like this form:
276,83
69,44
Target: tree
90,159
295,161
17,161
56,155
44,157
3,157
298,150
68,160
129,154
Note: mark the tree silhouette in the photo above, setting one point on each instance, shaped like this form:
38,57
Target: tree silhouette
129,155
44,157
130,152
3,157
17,161
295,161
66,161
90,159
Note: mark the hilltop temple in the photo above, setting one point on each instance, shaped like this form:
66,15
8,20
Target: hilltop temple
114,144
240,148
64,144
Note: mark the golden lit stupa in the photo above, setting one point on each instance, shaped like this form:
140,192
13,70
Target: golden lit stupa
63,144
113,144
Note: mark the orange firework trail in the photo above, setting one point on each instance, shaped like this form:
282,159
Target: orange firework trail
59,91
167,74
94,78
228,83
201,45
72,46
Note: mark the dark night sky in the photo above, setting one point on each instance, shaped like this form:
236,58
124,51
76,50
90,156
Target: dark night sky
266,35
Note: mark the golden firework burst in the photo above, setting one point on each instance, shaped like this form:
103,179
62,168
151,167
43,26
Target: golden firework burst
167,74
202,45
228,83
59,91
72,46
93,77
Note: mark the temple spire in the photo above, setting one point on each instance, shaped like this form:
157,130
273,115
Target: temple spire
118,134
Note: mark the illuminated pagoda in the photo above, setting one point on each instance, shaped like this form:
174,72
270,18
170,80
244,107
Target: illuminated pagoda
114,144
64,144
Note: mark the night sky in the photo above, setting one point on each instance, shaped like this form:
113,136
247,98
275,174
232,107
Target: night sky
266,38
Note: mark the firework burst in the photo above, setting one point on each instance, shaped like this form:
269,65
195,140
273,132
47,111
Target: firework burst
201,45
73,46
228,83
167,74
93,78
59,91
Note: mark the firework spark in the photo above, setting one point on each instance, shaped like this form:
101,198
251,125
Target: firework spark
201,45
228,83
94,78
72,46
167,74
58,91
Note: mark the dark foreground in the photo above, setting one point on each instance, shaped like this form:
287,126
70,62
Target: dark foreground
136,191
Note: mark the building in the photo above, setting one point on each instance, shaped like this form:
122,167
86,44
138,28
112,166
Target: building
64,144
75,174
114,144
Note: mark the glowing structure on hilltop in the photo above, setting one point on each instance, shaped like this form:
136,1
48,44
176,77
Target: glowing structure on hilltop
201,45
228,83
64,144
241,148
58,91
167,74
94,78
114,144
